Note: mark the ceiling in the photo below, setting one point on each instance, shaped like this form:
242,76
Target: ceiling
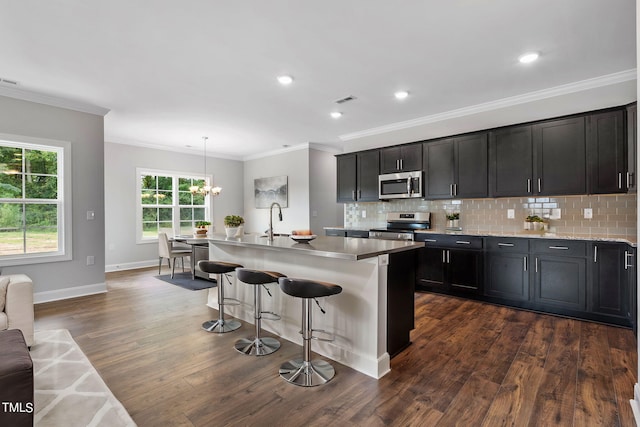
171,72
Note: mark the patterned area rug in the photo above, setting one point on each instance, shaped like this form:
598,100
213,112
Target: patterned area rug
68,389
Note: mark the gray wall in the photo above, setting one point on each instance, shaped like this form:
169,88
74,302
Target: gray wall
122,251
86,134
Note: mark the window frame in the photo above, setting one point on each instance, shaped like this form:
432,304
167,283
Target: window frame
64,200
175,205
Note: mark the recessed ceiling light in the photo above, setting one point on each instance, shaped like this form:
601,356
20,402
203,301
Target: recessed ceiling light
401,94
529,57
336,114
285,80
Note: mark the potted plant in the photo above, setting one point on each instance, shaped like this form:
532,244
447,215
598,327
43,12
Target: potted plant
453,220
202,228
233,225
534,222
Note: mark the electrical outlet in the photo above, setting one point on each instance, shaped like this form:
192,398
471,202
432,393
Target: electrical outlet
364,214
588,213
91,260
91,215
511,213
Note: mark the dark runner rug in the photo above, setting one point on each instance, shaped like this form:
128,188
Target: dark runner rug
184,281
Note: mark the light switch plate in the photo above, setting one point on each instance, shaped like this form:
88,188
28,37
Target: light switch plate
364,214
588,213
91,215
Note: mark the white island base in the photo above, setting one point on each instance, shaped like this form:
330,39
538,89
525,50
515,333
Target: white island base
357,317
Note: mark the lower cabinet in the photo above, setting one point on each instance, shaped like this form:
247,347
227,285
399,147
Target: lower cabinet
507,268
450,264
581,279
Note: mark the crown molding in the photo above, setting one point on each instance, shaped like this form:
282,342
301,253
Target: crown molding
151,146
593,83
305,146
52,100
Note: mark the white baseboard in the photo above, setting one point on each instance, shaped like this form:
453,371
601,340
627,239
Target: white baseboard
635,403
130,265
66,293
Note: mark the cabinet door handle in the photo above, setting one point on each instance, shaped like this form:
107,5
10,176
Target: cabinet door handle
507,245
539,185
524,263
626,257
628,181
462,242
448,257
536,264
595,253
444,259
451,189
528,185
430,240
563,248
620,180
353,194
401,164
359,194
455,189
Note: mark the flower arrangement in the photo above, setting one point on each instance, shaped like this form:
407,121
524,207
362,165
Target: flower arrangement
453,216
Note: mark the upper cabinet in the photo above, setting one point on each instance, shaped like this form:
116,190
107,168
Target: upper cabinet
510,162
547,158
456,167
402,158
606,147
559,154
632,147
357,177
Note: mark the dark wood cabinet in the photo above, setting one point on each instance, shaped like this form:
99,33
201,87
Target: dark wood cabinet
630,263
559,154
439,169
560,274
510,162
606,147
507,268
357,178
364,234
456,167
400,301
609,282
632,147
401,158
450,264
339,232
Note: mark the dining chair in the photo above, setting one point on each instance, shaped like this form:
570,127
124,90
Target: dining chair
166,250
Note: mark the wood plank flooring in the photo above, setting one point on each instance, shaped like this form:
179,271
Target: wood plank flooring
470,364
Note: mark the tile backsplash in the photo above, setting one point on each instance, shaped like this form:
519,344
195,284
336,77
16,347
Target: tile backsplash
614,215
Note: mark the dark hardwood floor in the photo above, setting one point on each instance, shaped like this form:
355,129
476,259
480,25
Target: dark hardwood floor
470,364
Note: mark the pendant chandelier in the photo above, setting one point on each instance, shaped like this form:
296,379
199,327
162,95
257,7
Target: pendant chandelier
206,189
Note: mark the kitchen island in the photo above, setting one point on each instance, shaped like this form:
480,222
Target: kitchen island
370,319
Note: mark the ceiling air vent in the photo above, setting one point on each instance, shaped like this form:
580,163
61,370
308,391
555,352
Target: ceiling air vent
345,99
8,82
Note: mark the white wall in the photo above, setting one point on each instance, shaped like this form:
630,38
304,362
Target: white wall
122,252
324,210
86,133
311,176
294,164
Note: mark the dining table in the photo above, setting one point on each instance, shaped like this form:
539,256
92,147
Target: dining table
199,251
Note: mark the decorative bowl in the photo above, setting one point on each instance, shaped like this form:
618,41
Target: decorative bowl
303,238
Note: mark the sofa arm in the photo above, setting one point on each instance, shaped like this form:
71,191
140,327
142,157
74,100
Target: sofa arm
19,305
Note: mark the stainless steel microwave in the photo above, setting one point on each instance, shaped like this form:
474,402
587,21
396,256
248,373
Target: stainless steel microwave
402,185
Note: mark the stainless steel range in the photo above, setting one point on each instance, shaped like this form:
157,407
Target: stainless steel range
402,225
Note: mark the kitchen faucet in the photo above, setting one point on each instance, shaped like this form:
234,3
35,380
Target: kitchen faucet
271,218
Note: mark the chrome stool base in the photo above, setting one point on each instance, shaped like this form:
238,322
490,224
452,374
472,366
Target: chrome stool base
221,326
307,374
257,346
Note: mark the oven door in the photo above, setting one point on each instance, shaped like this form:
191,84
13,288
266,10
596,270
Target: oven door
400,185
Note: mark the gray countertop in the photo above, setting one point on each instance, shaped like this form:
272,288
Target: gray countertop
349,248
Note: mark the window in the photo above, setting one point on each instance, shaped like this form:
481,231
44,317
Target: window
34,198
166,204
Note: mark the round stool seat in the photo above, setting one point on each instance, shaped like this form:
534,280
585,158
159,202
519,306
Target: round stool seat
303,288
257,277
217,267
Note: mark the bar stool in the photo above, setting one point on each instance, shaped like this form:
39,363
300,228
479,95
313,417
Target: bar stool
258,346
219,268
304,371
